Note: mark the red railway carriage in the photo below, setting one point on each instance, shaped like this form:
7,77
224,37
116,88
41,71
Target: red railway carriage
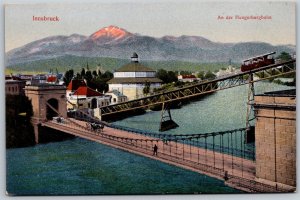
257,62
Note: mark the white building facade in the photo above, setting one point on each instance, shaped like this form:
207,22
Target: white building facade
116,97
132,78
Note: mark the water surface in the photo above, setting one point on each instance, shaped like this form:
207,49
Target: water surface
79,166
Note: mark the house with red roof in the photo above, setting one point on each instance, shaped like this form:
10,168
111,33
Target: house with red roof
73,86
52,80
187,78
80,96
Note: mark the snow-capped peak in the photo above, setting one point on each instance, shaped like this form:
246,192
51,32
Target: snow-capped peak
112,32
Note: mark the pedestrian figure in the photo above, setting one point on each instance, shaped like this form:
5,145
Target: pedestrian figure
155,150
226,176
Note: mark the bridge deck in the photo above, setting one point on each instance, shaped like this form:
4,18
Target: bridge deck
187,153
241,172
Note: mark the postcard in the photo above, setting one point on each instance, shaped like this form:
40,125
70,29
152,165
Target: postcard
148,97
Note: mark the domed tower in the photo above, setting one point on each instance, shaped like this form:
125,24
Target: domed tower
130,79
134,58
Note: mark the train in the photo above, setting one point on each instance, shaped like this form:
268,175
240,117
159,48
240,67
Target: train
258,61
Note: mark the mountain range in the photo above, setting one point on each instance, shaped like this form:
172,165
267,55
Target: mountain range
116,42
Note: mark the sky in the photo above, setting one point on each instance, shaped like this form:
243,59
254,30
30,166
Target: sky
155,19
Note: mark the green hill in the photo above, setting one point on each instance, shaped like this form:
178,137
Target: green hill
77,63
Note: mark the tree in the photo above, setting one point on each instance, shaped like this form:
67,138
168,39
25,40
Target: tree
78,76
99,84
284,56
88,77
172,77
201,75
185,72
68,76
166,76
82,73
209,75
162,75
94,80
107,75
95,73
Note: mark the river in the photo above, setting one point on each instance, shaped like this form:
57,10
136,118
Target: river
79,166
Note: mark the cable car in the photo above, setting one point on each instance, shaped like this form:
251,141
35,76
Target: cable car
257,62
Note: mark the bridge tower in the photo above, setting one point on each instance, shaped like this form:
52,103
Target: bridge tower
43,97
275,138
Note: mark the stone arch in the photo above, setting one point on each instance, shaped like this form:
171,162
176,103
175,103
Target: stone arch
94,103
50,113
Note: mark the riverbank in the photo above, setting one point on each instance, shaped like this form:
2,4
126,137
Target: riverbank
19,130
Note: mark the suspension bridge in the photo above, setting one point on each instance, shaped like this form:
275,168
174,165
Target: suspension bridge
224,155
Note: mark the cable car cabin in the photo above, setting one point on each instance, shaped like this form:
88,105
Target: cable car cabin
257,62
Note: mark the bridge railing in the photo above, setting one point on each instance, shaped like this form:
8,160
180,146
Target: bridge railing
185,154
178,155
256,186
244,150
192,139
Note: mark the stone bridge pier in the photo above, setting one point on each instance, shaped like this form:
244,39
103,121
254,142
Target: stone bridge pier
40,95
275,138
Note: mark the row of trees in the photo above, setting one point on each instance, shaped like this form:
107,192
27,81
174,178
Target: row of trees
97,80
94,79
170,76
206,75
166,76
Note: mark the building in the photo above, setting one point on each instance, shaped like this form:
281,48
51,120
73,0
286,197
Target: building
275,136
79,95
22,77
116,97
38,79
52,80
187,78
15,87
85,97
132,78
73,86
88,101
